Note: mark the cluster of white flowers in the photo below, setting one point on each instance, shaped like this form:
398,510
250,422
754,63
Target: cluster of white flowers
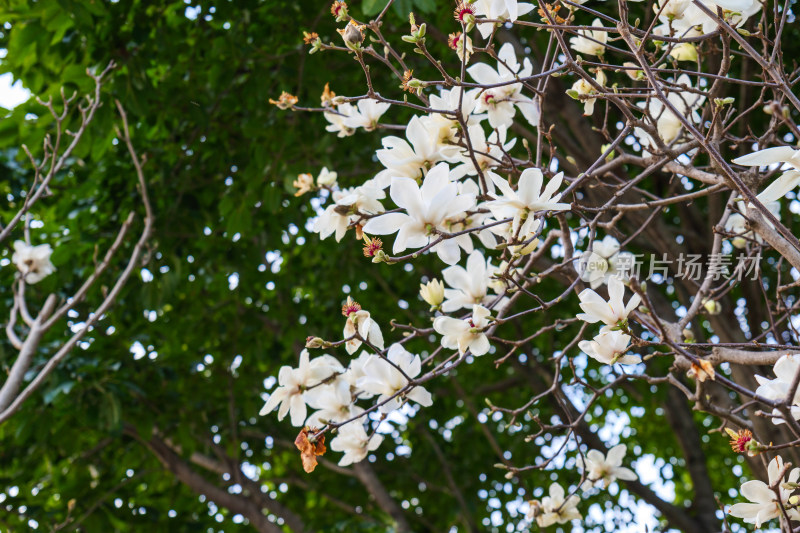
447,183
345,118
767,504
323,383
599,471
610,345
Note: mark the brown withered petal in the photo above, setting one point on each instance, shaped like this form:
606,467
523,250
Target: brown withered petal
703,371
309,450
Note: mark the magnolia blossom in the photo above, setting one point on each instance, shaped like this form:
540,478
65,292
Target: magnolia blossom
778,155
368,114
785,370
432,292
527,199
556,508
608,348
487,153
601,471
669,10
449,100
604,261
685,18
355,371
584,88
466,334
684,52
590,42
338,216
334,401
338,117
358,320
384,377
293,383
33,261
412,158
499,10
765,502
427,208
326,178
499,102
468,286
611,312
352,439
667,123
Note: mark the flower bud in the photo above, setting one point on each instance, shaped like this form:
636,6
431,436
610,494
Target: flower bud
684,52
432,293
712,306
315,342
326,178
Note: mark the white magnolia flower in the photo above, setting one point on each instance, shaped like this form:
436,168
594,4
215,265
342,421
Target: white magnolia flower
338,118
529,198
466,334
427,208
358,320
611,312
338,216
469,286
334,401
412,158
432,292
487,153
584,88
352,439
666,122
778,155
608,348
604,261
386,379
368,114
669,10
590,42
601,471
556,509
684,52
693,22
294,381
326,178
499,10
765,502
355,371
785,370
33,261
499,102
